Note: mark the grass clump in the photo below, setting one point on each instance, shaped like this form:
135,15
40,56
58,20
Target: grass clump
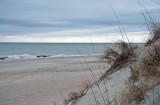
74,96
150,64
134,74
154,34
117,58
137,93
134,93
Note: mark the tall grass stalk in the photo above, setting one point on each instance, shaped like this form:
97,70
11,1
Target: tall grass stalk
96,82
100,70
121,28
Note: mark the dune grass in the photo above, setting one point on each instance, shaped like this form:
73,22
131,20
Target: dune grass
154,34
117,58
120,57
148,68
150,64
134,74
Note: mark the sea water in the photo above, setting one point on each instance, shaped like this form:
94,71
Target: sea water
34,50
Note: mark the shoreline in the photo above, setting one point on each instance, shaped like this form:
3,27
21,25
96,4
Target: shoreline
28,56
71,64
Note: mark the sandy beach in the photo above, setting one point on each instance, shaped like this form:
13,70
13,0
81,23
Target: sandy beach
45,81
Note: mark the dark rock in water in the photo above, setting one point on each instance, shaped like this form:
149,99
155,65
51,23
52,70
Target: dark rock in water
3,58
42,56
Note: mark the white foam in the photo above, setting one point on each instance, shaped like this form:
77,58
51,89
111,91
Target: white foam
28,56
22,56
74,55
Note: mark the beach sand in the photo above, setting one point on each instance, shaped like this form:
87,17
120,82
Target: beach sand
45,81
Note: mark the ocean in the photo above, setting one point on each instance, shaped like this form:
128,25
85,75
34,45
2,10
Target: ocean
10,51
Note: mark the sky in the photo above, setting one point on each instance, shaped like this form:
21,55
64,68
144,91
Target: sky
74,20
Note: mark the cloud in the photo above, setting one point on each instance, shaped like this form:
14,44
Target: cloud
81,35
62,18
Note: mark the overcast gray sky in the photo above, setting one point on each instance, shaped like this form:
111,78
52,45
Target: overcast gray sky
72,20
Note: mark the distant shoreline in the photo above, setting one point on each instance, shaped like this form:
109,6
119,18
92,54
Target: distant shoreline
27,56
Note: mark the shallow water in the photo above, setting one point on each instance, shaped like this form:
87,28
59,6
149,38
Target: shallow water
33,50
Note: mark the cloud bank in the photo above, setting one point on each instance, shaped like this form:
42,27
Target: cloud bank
72,20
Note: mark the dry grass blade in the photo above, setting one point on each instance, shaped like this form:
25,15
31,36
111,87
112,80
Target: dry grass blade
156,1
123,45
150,64
157,54
74,96
120,57
152,25
110,55
155,34
137,93
134,93
134,74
